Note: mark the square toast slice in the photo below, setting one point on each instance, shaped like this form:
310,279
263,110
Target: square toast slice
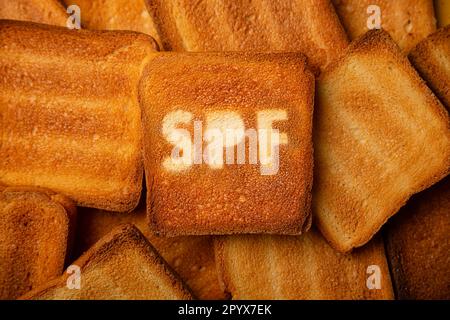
199,183
300,268
36,227
418,245
407,21
69,112
192,257
380,136
123,265
431,57
309,26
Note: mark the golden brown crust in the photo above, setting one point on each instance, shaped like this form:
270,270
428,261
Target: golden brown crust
41,11
35,228
407,21
309,26
116,15
442,9
122,265
298,267
70,117
191,257
374,145
199,200
431,58
418,245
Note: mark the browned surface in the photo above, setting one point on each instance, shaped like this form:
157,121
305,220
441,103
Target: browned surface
41,11
191,257
309,26
69,114
418,245
122,265
34,233
431,57
380,136
236,198
298,267
116,15
407,21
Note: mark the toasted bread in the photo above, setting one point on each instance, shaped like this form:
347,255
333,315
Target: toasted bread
41,11
442,8
35,231
300,267
407,21
418,245
380,136
309,26
70,117
230,93
116,15
431,57
191,257
122,265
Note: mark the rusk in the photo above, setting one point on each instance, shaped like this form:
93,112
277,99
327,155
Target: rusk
69,113
35,234
431,57
122,265
407,21
116,15
380,135
309,26
191,257
300,267
41,11
227,91
418,245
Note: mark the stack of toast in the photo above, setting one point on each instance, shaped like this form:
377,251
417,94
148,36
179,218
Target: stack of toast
224,149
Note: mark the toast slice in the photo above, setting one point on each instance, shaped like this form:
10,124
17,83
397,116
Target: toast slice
309,26
300,267
431,57
40,11
70,117
122,265
35,234
418,245
407,21
191,257
380,136
116,15
201,183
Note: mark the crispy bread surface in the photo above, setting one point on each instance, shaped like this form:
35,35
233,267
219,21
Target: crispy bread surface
309,26
418,245
227,91
35,226
299,267
69,113
191,257
116,15
431,57
41,11
380,136
407,21
122,265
